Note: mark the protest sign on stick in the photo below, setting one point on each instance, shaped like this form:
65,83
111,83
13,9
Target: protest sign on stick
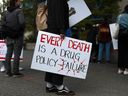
78,10
113,28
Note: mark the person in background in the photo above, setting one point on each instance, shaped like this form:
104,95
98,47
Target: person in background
58,23
123,42
104,40
69,32
75,33
92,37
14,20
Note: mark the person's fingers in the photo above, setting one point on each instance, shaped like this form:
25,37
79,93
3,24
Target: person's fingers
62,36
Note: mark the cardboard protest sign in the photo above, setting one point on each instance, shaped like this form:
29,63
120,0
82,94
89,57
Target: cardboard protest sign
78,11
68,57
3,51
113,28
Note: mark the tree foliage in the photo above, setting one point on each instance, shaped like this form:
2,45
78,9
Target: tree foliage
29,8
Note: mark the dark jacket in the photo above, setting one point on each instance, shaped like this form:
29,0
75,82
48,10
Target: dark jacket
104,35
14,19
58,15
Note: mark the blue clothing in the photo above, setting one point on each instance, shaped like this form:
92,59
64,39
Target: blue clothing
69,33
123,20
107,50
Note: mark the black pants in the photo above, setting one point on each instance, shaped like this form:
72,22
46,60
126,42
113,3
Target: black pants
55,79
122,52
13,46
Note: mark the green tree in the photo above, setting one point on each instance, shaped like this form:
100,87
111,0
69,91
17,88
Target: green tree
29,8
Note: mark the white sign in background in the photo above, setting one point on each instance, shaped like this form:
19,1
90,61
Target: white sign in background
113,28
3,51
81,11
68,57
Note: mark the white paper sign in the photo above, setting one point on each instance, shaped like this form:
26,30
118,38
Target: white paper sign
78,11
113,28
68,57
3,51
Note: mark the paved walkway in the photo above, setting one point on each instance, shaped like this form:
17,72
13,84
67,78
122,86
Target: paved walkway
102,80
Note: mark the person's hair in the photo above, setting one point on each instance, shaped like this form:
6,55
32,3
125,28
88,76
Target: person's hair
126,9
12,3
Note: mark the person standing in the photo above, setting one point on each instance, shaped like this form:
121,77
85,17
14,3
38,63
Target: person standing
58,23
104,40
92,37
123,42
14,20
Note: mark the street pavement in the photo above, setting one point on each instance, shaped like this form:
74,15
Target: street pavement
102,80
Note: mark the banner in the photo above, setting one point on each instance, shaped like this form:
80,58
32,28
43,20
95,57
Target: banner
3,51
68,57
78,11
113,28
